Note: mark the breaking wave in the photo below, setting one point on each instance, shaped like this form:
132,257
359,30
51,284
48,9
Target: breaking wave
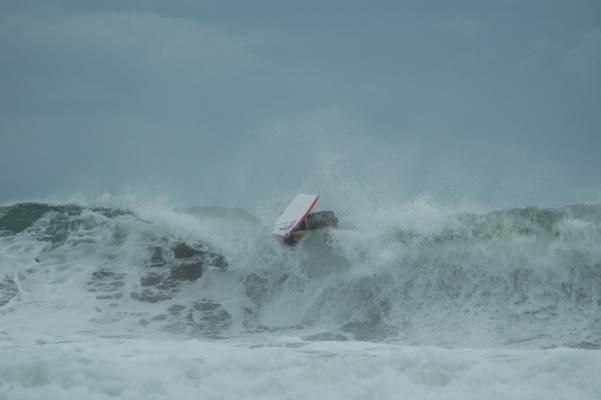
416,274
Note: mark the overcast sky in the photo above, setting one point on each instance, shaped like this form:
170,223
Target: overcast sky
232,103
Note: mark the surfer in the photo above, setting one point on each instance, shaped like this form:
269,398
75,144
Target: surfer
318,220
293,238
297,219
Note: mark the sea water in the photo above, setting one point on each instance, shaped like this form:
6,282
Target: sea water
414,301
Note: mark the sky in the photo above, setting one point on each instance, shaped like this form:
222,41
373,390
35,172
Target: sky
237,103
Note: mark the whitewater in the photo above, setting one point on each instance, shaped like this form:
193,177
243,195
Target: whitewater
418,300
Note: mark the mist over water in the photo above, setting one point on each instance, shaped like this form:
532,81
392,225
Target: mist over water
147,149
215,107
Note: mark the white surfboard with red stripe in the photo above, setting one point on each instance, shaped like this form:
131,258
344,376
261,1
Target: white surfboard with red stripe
294,215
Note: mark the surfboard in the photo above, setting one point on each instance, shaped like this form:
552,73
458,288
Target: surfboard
294,215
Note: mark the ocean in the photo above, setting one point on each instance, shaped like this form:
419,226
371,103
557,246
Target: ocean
417,301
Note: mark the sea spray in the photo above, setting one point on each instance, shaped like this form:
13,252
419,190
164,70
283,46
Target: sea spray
415,274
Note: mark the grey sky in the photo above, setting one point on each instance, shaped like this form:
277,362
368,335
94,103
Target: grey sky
233,103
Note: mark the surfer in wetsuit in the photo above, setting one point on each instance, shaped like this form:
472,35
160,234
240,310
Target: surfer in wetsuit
318,220
290,240
295,236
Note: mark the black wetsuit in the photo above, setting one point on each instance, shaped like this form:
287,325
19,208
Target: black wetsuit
290,240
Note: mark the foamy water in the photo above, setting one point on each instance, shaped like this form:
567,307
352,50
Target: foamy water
418,301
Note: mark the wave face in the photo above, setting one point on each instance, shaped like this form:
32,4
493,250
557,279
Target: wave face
417,274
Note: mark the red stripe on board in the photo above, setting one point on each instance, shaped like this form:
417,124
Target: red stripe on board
300,221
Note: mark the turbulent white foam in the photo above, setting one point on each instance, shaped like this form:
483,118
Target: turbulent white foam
287,368
488,290
419,273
